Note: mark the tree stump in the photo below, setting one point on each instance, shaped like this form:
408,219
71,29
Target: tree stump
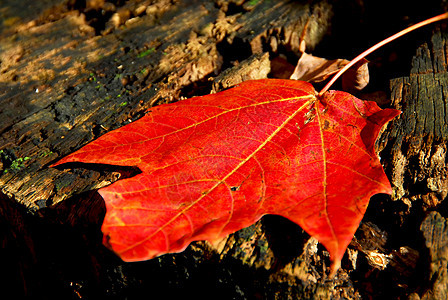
416,146
78,69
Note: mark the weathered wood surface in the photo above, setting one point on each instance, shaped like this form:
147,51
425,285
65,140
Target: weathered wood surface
63,85
101,64
417,150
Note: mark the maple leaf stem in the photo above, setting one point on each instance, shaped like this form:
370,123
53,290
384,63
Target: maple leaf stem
380,44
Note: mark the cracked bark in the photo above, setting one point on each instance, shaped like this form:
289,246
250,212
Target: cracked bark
417,144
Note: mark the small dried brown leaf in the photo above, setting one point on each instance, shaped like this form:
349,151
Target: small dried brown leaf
315,69
356,78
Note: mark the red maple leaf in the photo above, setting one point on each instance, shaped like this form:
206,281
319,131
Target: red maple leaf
214,164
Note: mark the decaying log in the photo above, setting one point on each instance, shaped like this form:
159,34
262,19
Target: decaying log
417,159
65,85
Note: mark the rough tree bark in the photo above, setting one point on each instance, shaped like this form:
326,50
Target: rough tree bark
417,145
78,69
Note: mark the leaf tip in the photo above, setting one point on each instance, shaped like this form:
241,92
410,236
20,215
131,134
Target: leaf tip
63,160
334,267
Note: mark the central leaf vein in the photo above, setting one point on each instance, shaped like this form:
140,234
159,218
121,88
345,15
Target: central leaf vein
268,139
